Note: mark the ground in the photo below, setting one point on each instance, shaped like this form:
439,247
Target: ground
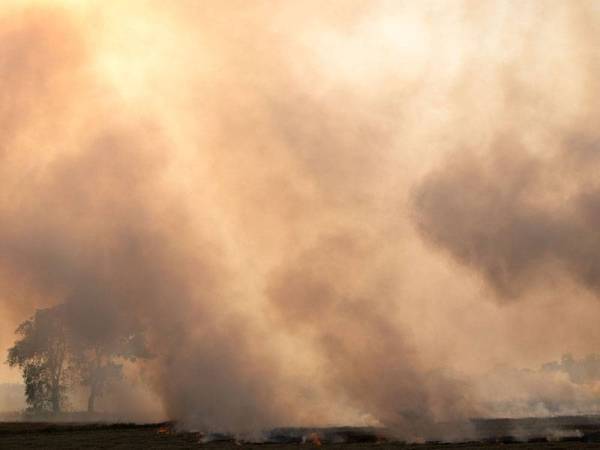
29,435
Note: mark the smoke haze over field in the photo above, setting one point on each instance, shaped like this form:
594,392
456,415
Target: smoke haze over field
357,212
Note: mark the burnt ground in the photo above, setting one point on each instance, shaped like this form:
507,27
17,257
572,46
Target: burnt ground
507,434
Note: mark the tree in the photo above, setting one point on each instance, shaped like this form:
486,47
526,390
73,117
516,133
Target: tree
55,348
97,363
41,354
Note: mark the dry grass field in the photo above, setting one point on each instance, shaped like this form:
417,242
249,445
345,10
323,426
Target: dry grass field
43,435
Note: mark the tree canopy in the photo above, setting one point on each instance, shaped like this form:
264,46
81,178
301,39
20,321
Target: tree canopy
41,354
53,358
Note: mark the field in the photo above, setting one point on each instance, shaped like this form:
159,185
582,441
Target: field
573,433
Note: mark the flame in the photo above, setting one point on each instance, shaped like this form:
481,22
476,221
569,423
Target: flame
312,438
164,430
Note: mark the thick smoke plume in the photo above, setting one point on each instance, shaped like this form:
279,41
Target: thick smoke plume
270,191
512,215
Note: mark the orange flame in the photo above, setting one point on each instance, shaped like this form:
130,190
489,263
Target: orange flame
313,438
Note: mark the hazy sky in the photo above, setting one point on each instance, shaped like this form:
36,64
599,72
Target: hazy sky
356,211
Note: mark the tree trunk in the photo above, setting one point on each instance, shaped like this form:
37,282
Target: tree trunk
59,354
94,382
92,398
56,398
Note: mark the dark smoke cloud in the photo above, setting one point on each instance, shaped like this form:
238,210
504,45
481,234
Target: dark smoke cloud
523,202
512,216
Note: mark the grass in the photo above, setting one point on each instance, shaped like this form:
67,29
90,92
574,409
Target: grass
44,435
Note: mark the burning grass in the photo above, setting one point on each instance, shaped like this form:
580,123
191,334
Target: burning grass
496,435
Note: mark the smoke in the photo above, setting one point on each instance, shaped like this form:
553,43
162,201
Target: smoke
565,387
331,297
11,398
522,203
242,182
583,371
511,215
